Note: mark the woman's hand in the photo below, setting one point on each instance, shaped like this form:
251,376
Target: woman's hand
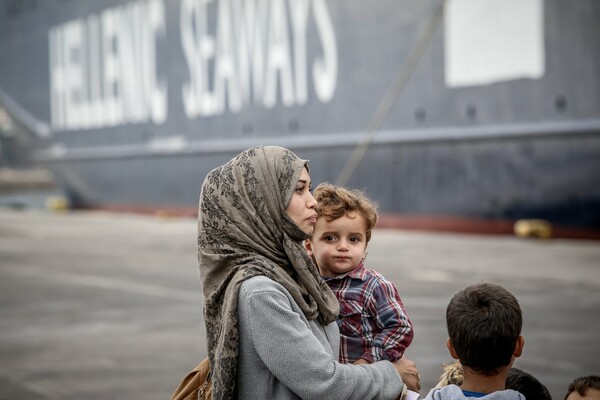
409,373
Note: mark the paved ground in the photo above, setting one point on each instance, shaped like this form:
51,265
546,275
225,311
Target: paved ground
108,306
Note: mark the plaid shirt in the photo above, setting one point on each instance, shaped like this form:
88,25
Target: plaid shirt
373,323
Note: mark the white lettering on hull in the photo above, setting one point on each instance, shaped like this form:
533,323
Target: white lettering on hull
257,54
104,68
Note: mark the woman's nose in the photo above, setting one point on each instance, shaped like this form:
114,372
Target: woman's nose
312,202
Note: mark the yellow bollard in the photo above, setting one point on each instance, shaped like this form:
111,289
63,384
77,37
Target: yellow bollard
537,228
57,203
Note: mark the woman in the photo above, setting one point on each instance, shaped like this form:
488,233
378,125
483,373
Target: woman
270,319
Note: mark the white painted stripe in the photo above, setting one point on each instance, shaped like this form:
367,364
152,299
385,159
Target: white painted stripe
566,128
108,283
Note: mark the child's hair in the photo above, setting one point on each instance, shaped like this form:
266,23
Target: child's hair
484,322
582,384
527,385
335,202
452,374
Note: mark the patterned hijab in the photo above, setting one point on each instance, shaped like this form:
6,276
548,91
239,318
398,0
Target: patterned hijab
244,231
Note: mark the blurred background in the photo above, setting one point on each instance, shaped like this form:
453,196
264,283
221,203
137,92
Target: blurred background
463,116
447,113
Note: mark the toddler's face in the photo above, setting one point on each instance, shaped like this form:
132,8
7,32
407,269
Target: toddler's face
338,246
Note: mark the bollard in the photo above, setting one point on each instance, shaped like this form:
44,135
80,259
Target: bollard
537,228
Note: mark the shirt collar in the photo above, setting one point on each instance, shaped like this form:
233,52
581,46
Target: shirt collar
359,272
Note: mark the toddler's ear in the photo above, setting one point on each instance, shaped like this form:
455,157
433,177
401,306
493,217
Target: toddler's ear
308,247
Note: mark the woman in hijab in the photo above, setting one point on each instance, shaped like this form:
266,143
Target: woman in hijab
270,319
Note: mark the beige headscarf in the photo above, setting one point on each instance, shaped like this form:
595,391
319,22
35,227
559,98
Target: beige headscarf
244,231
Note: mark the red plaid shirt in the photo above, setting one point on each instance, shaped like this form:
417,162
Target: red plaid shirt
373,323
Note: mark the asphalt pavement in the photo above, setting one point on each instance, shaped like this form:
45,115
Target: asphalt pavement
108,306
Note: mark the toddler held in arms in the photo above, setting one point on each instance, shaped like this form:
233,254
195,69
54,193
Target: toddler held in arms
373,323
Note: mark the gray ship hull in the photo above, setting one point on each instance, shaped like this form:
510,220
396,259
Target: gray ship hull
130,104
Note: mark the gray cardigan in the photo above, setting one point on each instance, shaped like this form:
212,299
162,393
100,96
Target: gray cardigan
282,355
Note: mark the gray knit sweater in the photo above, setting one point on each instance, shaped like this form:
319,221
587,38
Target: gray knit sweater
453,392
282,355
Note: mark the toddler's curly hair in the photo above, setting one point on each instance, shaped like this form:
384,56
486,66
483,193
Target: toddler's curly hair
335,202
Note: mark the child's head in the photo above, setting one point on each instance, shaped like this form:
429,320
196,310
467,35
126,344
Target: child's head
585,387
527,384
345,220
484,327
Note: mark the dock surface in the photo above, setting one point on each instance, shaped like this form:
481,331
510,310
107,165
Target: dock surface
108,306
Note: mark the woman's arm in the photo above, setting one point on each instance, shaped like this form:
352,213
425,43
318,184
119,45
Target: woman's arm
289,347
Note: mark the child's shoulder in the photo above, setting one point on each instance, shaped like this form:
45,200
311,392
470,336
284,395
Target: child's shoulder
375,276
453,392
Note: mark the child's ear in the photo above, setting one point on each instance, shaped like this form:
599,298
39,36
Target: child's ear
308,247
519,346
451,349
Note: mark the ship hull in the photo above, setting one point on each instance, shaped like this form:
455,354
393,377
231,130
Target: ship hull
375,97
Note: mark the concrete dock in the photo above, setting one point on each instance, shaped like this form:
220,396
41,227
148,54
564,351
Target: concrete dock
108,306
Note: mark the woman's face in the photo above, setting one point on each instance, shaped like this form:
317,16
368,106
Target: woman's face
301,208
